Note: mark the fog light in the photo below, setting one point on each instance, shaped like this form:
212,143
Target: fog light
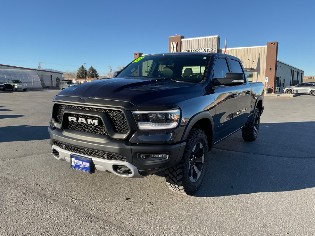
52,125
156,156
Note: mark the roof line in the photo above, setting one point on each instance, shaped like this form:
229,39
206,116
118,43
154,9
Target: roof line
20,67
246,47
290,65
215,36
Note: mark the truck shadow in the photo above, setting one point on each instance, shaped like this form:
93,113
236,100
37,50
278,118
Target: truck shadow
281,159
23,133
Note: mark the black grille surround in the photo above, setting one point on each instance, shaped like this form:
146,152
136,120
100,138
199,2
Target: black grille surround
99,129
116,118
89,151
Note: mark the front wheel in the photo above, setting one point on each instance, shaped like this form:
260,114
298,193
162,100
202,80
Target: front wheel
251,128
186,177
312,92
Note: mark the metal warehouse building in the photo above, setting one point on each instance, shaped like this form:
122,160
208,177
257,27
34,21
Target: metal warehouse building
34,78
260,62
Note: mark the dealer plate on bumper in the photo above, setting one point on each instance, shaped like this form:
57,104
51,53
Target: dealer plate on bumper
81,163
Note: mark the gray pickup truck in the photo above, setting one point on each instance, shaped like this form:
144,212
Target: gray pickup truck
160,115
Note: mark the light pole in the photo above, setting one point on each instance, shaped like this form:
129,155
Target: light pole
84,71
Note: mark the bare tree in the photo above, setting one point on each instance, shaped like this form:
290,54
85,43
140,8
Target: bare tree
111,72
70,75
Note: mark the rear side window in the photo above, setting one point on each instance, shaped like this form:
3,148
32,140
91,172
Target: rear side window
220,68
235,66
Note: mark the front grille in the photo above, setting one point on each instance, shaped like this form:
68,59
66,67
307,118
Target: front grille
84,127
117,118
119,121
58,113
89,151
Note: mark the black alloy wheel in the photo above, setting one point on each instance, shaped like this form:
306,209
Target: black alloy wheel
196,162
250,130
186,177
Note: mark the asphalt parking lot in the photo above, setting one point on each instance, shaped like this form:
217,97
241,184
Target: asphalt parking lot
261,188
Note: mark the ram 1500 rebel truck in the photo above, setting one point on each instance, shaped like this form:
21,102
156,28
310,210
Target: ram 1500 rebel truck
161,114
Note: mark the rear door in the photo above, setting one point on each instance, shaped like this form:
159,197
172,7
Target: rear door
226,101
242,93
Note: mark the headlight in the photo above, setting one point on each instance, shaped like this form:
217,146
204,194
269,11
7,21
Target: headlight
157,120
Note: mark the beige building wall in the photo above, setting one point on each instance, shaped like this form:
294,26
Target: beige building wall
309,79
253,59
201,44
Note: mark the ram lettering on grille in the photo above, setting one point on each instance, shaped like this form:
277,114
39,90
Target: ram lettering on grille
83,120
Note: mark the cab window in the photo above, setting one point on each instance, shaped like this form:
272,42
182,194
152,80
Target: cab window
220,68
235,66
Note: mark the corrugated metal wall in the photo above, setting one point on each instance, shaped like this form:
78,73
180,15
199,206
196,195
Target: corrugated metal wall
253,59
28,77
33,78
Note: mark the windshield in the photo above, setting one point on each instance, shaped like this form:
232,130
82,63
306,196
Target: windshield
186,68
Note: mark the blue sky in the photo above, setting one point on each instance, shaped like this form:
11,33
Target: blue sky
64,34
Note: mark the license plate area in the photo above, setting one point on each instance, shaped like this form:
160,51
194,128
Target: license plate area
81,163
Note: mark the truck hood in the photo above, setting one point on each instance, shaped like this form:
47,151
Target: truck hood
137,91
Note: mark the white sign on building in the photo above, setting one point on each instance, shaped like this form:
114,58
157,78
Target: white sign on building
201,44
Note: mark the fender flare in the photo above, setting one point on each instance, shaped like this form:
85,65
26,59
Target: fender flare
260,98
193,120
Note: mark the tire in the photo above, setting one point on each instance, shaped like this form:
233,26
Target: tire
250,130
289,91
312,92
186,177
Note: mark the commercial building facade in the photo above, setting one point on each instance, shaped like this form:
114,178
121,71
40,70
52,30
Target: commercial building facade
34,78
260,62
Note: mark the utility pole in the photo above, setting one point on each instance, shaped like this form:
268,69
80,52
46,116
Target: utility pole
84,71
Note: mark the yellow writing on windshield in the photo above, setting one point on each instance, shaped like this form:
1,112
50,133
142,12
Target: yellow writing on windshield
138,59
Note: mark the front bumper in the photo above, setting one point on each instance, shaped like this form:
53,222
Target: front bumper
107,153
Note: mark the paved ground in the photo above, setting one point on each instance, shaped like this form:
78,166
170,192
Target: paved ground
261,188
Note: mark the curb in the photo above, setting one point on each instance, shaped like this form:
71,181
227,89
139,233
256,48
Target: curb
285,95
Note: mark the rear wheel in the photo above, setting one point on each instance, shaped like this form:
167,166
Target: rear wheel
289,91
251,129
186,177
312,92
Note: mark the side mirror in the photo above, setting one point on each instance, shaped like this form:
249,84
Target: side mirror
230,79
